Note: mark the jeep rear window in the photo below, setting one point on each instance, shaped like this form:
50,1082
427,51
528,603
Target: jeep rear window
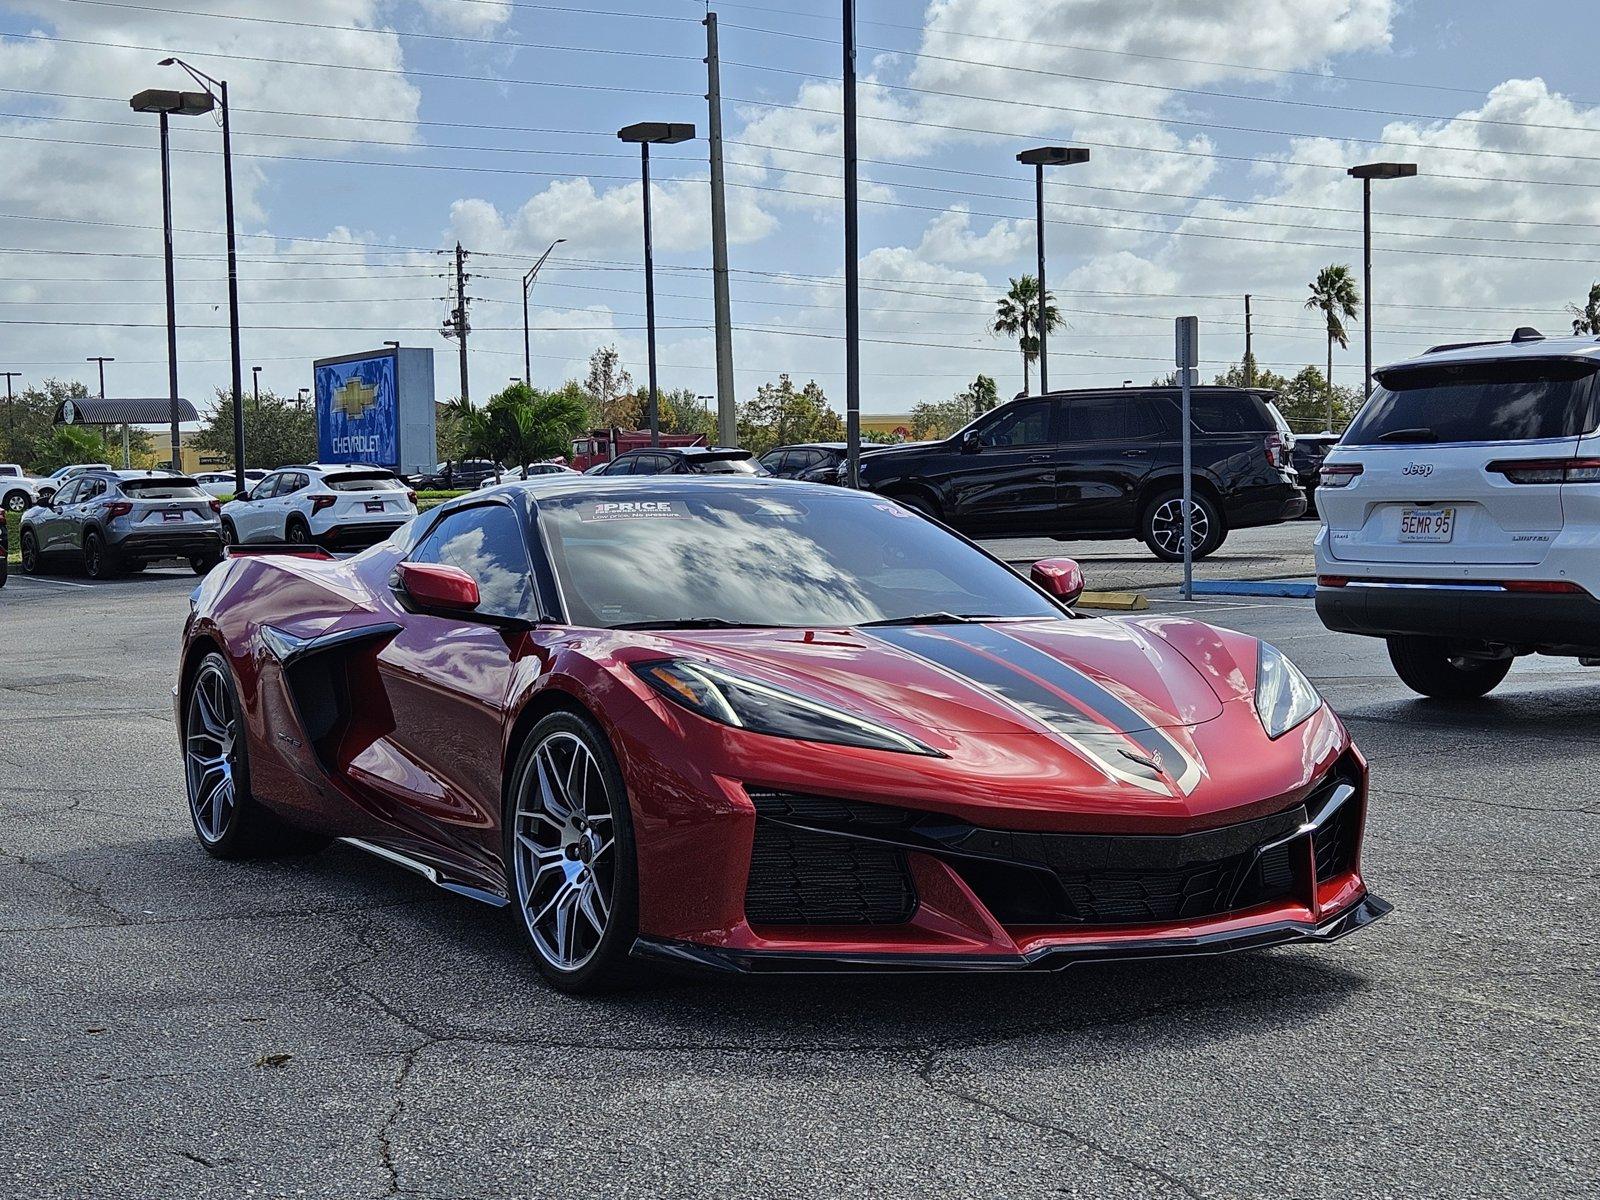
1519,401
163,489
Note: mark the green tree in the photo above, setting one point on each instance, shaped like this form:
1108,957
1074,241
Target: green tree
1587,318
1016,314
983,394
1248,374
779,415
523,424
680,410
941,418
612,397
29,420
68,444
277,432
1335,296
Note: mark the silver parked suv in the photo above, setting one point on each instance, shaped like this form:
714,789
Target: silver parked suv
111,521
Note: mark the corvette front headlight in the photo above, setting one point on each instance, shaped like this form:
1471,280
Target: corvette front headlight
746,703
1284,696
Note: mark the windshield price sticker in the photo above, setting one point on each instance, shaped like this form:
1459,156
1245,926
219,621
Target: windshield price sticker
637,510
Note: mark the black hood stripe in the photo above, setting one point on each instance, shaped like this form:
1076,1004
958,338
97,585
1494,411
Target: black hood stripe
1056,695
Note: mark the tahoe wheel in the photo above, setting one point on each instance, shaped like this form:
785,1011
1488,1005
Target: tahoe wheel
297,531
1435,667
30,553
1162,526
97,562
17,501
569,849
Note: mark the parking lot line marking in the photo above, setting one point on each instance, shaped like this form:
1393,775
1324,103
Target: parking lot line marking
54,582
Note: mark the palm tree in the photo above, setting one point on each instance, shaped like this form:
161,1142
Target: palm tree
1016,315
522,424
1587,318
1334,295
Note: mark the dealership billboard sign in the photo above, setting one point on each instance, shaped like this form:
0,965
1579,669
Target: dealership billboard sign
376,408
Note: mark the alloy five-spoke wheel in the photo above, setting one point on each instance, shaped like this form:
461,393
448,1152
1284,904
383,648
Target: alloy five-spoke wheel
213,746
571,853
1163,527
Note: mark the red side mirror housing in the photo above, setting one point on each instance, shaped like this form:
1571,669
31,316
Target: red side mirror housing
1061,577
437,587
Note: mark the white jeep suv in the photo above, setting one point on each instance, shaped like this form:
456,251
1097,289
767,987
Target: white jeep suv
1461,512
328,505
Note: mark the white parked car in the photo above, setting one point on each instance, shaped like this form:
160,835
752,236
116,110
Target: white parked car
532,471
1461,512
328,505
224,483
19,491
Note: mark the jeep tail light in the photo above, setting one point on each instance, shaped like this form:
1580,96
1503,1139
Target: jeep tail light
118,508
318,503
1276,454
1543,586
1332,580
1338,475
1548,470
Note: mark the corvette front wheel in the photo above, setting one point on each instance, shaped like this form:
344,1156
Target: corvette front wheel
570,855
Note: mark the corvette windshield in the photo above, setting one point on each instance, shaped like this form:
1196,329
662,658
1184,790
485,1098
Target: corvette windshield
738,558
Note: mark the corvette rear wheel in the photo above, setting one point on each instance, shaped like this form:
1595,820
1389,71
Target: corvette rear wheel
571,856
227,819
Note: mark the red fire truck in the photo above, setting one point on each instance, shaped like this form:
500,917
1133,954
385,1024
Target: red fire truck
603,445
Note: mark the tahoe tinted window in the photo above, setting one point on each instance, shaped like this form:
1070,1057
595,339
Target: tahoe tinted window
1479,402
1230,412
1116,419
1027,424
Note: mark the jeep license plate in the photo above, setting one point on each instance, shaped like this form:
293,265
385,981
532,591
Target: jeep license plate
1427,524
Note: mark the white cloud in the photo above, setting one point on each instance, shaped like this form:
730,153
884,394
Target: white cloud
468,16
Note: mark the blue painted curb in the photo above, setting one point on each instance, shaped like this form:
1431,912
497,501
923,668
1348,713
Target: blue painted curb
1256,587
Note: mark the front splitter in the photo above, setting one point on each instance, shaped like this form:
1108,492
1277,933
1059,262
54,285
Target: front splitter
1048,958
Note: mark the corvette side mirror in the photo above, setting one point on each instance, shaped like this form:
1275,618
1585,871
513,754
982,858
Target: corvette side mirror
437,588
1061,577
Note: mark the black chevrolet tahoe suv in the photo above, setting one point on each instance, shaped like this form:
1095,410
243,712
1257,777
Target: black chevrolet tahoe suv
1101,464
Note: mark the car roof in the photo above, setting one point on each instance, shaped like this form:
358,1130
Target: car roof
1524,344
547,487
698,453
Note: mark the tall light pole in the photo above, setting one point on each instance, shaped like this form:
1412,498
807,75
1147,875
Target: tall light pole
645,134
527,286
185,104
1039,159
1367,172
255,387
221,96
11,412
852,260
102,360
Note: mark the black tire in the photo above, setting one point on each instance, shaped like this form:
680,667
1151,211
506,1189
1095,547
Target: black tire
246,829
97,560
1433,667
31,562
606,965
917,503
230,533
202,564
17,501
1161,525
297,531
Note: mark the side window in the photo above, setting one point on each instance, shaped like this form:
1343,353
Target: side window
1027,424
619,466
805,460
292,484
485,542
649,464
68,495
1229,412
774,460
1098,420
1152,419
90,489
266,489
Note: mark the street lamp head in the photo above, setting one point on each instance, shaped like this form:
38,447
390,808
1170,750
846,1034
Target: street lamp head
182,104
1054,156
1383,170
657,133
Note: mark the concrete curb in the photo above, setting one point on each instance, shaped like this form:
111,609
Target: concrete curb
1121,601
1293,589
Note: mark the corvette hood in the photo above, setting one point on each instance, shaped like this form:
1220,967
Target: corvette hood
1074,677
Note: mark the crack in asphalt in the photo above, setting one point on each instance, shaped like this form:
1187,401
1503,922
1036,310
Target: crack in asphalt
1534,808
88,891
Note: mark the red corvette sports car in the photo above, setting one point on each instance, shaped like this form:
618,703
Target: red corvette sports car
760,725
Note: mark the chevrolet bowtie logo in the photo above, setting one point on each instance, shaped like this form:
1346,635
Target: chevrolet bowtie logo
355,399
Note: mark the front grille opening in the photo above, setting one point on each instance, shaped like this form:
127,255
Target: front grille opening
1335,843
798,877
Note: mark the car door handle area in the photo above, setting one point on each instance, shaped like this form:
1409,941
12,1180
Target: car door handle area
1136,454
1038,458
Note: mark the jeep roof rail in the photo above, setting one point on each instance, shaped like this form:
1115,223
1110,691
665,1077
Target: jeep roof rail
1522,333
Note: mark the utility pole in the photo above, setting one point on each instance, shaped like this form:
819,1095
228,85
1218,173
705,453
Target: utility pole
1249,355
11,413
172,299
727,431
528,281
852,255
102,360
462,325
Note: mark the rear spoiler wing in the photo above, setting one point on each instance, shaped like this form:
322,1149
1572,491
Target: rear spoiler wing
258,549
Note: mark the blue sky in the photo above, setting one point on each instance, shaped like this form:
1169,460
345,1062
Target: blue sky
494,122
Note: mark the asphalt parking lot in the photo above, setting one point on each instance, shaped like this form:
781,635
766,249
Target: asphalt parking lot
332,1026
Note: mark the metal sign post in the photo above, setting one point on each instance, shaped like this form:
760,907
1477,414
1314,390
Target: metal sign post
1188,356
